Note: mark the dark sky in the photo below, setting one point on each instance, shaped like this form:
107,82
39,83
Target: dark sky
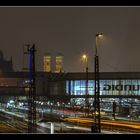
71,31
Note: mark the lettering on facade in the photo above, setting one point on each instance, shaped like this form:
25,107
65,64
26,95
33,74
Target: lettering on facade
121,87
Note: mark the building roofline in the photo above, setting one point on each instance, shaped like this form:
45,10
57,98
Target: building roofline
74,75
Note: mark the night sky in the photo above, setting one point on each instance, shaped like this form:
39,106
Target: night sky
71,31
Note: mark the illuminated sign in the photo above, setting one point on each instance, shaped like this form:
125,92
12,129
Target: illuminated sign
121,87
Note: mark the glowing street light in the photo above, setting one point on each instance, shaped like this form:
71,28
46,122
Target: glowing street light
99,35
85,59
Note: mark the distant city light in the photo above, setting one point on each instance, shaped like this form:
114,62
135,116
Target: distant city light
11,101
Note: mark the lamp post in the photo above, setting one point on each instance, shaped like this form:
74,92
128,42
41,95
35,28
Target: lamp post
85,59
96,124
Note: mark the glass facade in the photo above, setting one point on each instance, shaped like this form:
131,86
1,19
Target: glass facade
107,87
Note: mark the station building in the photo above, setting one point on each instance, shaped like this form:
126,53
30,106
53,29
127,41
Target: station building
120,87
112,84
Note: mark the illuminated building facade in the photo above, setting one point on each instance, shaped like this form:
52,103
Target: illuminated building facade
123,84
47,62
121,87
107,87
59,63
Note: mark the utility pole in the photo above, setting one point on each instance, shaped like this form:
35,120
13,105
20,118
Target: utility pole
96,123
85,58
32,90
87,94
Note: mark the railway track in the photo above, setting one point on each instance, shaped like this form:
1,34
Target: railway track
123,126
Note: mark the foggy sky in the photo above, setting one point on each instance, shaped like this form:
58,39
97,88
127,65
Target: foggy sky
71,31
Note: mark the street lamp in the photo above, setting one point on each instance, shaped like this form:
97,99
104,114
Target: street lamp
96,125
99,35
85,59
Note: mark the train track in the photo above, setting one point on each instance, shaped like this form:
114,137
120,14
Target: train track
122,126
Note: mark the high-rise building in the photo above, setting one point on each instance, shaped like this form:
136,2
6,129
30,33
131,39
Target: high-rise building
59,63
47,62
